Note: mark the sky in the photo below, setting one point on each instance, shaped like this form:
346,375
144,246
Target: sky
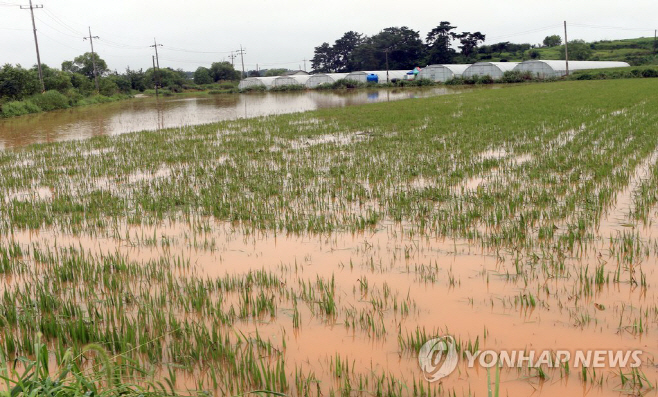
283,33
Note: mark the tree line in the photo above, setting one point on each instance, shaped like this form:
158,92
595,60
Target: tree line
76,78
405,49
402,47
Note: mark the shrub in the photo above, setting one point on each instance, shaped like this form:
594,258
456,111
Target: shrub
650,73
515,76
472,80
50,100
344,83
455,81
14,108
19,108
486,79
290,87
325,86
257,88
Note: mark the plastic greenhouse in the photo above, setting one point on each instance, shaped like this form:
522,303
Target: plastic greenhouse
392,75
250,82
324,78
295,79
493,69
442,73
559,68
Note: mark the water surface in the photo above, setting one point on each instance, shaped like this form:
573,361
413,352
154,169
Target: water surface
140,114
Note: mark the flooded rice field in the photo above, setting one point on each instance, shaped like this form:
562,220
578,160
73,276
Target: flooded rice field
141,114
316,253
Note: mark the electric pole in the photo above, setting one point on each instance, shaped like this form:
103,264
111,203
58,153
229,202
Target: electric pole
655,42
155,82
566,46
156,66
36,42
93,58
232,57
242,51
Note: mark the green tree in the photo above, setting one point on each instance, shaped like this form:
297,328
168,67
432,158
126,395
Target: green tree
578,51
16,83
223,71
84,64
323,58
500,47
137,79
469,42
438,42
167,77
342,51
405,48
275,72
54,79
202,76
553,41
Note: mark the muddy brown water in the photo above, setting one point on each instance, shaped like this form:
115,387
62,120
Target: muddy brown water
473,295
139,114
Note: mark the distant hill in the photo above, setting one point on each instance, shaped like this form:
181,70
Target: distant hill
639,51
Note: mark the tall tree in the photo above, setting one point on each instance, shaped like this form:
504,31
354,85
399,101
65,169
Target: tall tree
84,64
322,61
469,42
404,46
578,51
438,42
342,50
223,71
553,41
202,76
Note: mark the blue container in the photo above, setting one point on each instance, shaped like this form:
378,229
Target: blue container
372,78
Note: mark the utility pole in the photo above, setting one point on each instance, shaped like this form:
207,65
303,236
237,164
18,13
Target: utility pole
232,57
93,58
566,46
155,82
36,42
156,69
655,42
242,51
387,79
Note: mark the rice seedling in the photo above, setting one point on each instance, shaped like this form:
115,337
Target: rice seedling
315,253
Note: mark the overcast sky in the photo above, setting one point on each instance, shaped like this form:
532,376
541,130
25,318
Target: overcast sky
283,33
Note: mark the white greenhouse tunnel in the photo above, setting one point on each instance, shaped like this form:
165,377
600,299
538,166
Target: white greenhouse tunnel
547,69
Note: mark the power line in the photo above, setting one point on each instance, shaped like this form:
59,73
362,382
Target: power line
68,27
525,32
582,25
55,29
200,52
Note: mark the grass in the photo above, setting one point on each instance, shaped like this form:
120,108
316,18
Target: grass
134,243
636,51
